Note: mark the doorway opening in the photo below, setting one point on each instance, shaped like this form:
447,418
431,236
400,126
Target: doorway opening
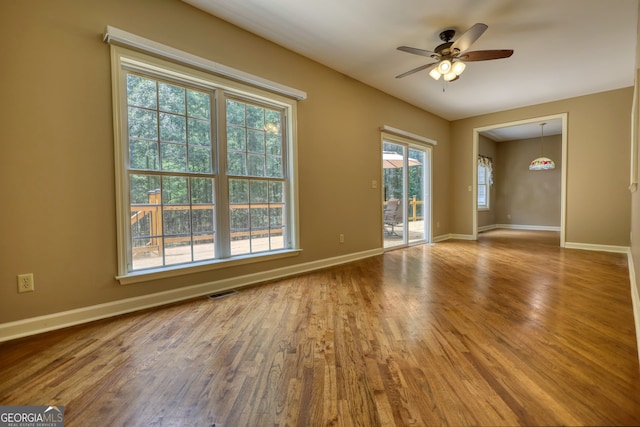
517,131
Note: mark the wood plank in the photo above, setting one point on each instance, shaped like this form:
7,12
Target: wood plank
508,330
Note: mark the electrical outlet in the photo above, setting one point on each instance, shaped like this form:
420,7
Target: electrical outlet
25,283
342,238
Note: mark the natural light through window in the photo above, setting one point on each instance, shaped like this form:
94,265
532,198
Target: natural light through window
204,171
483,187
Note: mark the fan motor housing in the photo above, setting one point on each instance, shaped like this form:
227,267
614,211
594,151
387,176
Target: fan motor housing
444,48
447,35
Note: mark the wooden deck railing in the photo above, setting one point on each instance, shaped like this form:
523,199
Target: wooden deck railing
154,210
413,209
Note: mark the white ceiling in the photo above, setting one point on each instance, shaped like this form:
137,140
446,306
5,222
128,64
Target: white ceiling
524,131
563,48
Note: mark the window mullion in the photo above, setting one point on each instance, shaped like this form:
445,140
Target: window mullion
223,221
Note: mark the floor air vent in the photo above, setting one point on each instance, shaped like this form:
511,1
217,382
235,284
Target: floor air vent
222,294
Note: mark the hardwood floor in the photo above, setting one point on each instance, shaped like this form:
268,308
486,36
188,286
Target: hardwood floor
508,330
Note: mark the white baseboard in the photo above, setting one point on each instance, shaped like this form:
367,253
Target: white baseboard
450,236
593,247
528,227
635,299
444,237
487,228
462,236
36,325
441,238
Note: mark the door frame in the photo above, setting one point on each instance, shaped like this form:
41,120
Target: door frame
410,140
563,188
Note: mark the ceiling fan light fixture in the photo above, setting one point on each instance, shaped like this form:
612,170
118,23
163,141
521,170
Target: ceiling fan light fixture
450,76
458,67
444,66
450,56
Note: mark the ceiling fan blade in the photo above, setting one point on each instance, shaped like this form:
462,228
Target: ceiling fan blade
465,41
417,51
485,55
415,70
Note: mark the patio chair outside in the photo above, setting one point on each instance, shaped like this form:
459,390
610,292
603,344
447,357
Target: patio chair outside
392,216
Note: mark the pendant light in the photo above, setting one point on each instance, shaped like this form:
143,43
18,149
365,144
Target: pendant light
542,163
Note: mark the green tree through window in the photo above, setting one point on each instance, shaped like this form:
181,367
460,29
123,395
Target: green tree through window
256,170
173,176
172,216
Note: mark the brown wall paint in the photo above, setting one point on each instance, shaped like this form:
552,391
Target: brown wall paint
530,197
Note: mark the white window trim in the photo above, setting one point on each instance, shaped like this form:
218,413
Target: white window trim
116,36
197,267
392,132
122,58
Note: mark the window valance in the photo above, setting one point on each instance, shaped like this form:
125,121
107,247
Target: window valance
487,163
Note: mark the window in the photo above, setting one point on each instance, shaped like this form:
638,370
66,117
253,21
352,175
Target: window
485,180
255,168
170,173
203,169
483,191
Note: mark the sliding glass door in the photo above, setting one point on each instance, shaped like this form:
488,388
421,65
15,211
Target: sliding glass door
405,199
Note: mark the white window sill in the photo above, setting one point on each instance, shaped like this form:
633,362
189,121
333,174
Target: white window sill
181,270
483,209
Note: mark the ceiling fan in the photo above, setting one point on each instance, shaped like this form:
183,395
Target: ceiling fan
451,56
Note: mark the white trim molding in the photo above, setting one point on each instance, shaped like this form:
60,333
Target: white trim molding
404,133
594,247
635,298
441,238
528,227
452,236
36,325
633,179
116,36
462,236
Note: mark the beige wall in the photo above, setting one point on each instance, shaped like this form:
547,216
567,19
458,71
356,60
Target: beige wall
57,166
527,197
487,148
635,205
598,202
